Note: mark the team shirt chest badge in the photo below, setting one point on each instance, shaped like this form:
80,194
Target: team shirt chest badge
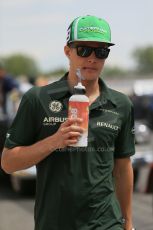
55,106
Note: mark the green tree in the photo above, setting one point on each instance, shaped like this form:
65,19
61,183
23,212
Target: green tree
144,59
21,64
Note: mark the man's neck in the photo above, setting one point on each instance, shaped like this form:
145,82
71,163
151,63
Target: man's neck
92,87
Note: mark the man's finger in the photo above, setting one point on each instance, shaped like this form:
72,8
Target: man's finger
71,121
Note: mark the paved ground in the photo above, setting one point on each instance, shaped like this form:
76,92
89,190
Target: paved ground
143,211
16,212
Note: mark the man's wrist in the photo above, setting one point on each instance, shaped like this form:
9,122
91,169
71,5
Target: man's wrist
130,229
127,225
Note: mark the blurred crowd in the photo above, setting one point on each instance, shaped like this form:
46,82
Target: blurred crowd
11,92
12,89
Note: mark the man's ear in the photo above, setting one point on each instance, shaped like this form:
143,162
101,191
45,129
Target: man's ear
67,51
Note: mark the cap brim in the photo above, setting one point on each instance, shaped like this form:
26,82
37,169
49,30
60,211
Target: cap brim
92,40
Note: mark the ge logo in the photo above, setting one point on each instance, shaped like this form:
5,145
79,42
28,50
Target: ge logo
55,106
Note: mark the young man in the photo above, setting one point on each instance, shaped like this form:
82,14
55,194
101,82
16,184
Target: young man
75,186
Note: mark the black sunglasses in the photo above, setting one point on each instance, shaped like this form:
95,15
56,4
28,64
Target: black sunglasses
85,51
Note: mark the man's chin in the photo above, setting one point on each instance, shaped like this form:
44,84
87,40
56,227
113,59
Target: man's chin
91,76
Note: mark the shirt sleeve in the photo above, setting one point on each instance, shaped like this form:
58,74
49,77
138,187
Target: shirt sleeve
23,128
125,143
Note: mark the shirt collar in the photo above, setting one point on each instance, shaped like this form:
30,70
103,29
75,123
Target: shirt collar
61,88
105,94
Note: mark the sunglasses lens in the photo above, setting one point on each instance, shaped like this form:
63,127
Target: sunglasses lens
84,51
102,53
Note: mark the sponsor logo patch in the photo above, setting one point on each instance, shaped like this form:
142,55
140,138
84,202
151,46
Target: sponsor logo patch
93,29
7,135
110,111
55,106
53,120
107,125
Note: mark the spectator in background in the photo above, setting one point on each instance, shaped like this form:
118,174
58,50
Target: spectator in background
150,111
7,83
25,84
41,81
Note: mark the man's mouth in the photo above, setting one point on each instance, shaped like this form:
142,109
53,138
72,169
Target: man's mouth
89,68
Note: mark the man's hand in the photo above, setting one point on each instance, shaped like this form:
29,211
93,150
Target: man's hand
123,174
22,157
68,133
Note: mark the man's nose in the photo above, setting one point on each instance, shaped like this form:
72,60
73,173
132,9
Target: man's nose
92,58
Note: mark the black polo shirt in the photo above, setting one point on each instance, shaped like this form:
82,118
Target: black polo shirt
75,188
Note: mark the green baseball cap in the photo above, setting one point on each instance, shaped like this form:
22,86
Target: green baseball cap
89,28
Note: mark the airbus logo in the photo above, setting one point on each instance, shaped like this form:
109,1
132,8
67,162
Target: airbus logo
53,120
